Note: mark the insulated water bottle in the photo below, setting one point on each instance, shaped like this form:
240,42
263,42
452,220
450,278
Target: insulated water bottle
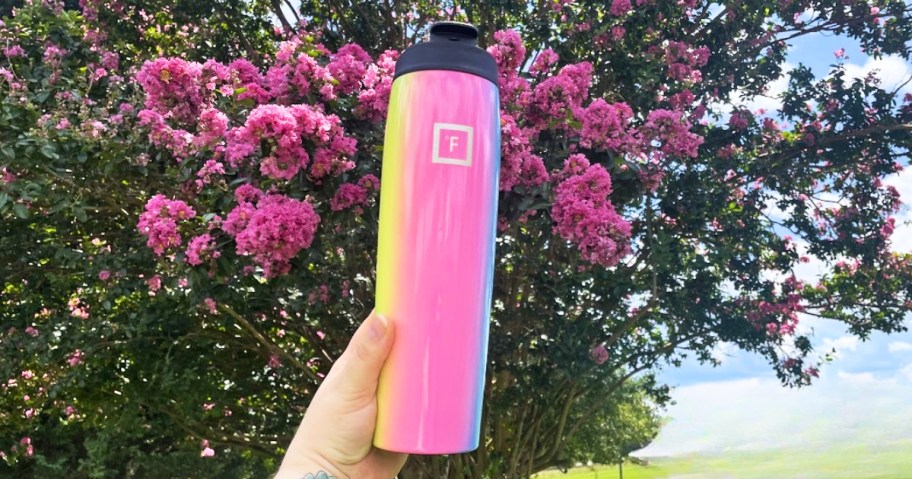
435,259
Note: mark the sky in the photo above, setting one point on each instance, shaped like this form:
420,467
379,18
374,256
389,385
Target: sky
863,397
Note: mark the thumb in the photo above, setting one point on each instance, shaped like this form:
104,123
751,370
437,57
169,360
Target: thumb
358,369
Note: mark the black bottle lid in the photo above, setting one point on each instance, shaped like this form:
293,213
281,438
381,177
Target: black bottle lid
453,46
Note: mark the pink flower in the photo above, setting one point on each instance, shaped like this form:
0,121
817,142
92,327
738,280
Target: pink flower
207,451
199,247
104,275
599,354
555,98
173,86
211,127
875,10
508,50
887,229
673,130
273,231
29,330
618,32
211,305
584,215
75,359
27,374
211,167
160,221
373,99
605,126
545,59
13,51
519,165
738,120
277,126
154,284
69,411
347,196
348,67
839,53
274,361
619,8
6,176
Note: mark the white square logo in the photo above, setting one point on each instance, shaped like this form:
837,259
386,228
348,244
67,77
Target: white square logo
453,144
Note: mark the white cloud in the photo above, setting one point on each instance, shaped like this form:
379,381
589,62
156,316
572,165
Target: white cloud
902,235
892,71
907,371
771,100
723,351
844,343
899,347
760,414
859,379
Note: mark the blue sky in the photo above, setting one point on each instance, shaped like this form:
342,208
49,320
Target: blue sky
863,396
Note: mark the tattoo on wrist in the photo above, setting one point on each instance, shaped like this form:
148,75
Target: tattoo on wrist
319,475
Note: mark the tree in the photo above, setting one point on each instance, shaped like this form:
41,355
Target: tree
150,298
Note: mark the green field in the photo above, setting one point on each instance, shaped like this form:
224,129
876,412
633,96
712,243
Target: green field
888,462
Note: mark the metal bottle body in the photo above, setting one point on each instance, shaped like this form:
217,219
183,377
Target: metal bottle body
435,265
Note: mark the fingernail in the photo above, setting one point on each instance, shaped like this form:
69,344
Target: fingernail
378,327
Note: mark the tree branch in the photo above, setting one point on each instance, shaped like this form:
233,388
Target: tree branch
267,345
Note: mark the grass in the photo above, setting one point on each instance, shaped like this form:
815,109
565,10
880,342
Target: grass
860,462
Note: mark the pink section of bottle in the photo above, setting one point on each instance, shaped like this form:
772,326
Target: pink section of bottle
440,176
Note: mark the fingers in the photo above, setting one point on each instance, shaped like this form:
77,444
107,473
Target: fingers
358,370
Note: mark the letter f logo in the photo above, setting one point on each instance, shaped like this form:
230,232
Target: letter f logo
453,144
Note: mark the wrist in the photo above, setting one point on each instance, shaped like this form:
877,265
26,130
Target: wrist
308,469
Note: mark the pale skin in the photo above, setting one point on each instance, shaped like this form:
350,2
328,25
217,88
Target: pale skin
334,441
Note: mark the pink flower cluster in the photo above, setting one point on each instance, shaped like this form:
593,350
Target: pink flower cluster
555,98
543,62
284,129
348,67
159,222
373,100
607,126
6,176
199,248
273,228
353,195
584,215
13,51
298,75
173,87
619,8
508,51
518,165
739,120
779,317
673,130
599,354
684,61
277,127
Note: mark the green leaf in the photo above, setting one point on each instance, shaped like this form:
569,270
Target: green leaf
4,198
21,211
49,151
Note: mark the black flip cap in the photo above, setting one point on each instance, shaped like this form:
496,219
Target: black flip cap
453,46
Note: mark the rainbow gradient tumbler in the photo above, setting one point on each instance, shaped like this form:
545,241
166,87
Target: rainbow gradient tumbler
435,260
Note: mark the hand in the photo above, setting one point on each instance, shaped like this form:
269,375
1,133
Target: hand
338,428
